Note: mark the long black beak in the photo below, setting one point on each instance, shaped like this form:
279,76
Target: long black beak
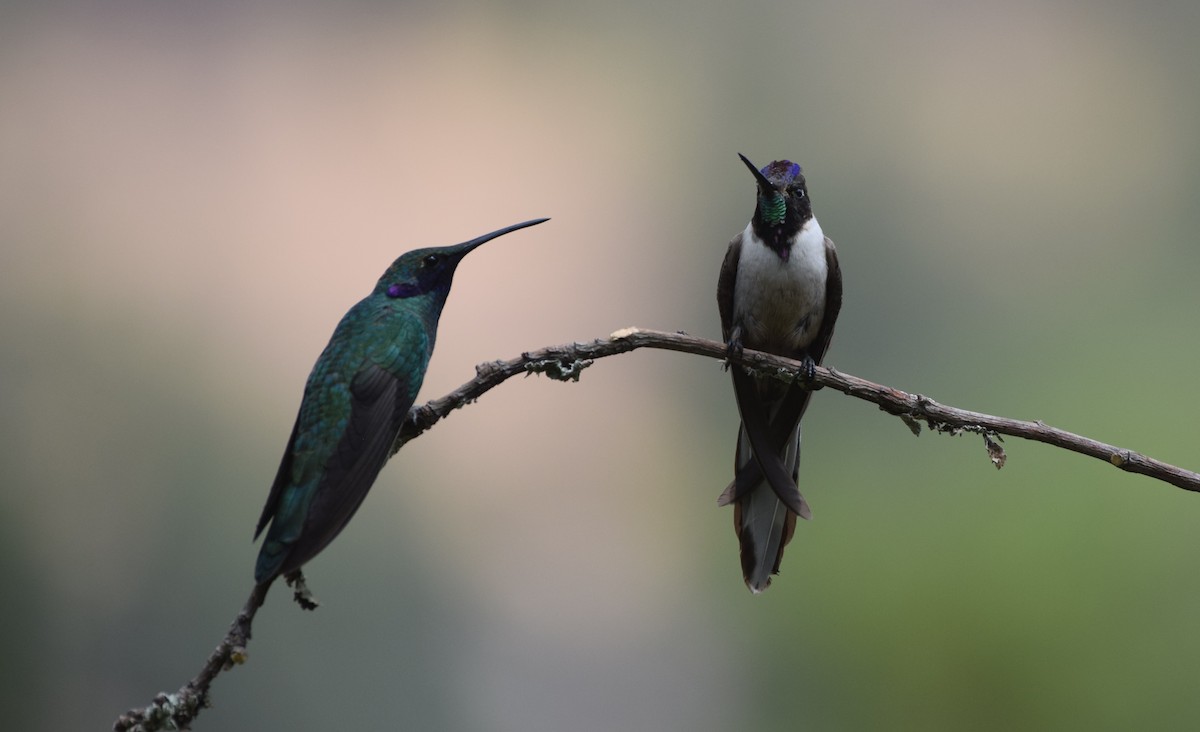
469,245
764,186
458,251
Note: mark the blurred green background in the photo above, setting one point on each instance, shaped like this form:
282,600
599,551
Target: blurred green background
192,194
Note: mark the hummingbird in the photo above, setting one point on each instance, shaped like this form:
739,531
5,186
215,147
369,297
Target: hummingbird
355,402
779,291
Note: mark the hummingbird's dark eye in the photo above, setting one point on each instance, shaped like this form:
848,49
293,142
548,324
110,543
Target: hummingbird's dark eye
431,260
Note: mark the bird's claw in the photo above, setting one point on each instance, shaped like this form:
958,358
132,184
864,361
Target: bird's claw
808,374
733,350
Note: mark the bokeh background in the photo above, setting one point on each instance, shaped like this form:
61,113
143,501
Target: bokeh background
191,195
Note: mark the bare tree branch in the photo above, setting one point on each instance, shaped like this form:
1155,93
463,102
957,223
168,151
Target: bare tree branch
176,711
565,363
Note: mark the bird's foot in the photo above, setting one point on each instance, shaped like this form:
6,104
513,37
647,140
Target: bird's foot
808,374
734,348
300,592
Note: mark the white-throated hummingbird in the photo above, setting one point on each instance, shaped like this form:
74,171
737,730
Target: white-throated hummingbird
779,291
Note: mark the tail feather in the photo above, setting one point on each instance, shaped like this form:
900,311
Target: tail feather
764,525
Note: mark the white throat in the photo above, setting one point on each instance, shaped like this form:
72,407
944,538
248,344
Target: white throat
780,302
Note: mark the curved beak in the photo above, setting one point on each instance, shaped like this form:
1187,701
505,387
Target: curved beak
468,246
764,186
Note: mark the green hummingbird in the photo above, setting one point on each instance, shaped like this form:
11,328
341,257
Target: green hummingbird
355,402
